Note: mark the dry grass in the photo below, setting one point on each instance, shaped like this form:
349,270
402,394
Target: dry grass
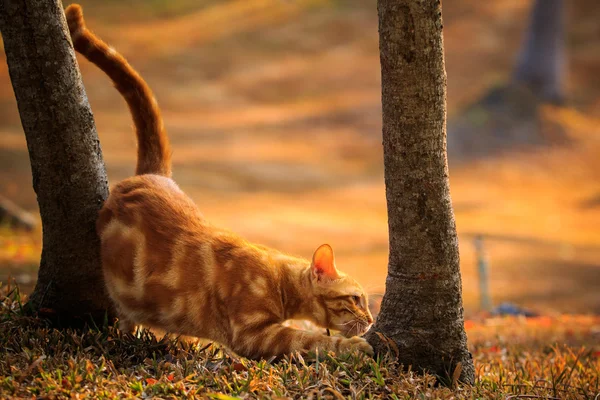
541,358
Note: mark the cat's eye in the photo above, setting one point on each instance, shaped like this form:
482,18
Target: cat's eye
356,299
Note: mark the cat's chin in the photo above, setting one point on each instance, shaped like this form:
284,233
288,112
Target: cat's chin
359,330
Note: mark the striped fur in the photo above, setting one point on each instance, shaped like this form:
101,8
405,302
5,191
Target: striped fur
166,267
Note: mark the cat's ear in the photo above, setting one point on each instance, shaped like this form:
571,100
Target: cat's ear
323,264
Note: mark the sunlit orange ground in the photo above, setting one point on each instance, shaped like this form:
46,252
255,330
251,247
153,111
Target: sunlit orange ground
273,108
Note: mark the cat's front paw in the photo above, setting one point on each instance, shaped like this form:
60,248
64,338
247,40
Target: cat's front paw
357,343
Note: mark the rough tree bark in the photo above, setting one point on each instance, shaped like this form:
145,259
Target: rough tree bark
541,64
422,307
69,177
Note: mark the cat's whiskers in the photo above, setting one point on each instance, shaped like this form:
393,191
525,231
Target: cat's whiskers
355,328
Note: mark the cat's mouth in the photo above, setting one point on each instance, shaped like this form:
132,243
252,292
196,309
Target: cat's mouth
355,328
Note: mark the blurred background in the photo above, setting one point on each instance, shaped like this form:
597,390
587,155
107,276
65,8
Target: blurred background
274,111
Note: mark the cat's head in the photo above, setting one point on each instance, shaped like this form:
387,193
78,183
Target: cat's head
340,302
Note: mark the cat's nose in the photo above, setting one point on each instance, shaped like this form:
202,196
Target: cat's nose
369,319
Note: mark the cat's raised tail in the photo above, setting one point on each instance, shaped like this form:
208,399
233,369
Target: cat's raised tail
154,150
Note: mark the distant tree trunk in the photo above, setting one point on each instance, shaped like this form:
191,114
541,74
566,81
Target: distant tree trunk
508,116
422,307
66,161
14,216
542,60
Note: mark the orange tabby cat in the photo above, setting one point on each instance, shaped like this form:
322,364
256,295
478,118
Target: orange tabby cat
166,267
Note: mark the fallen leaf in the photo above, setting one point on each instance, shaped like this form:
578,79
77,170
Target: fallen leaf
151,381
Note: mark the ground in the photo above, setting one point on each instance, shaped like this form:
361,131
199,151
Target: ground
546,358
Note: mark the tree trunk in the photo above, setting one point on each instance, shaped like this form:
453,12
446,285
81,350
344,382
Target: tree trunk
542,61
66,161
422,307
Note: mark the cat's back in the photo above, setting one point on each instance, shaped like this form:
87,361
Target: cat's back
150,202
166,267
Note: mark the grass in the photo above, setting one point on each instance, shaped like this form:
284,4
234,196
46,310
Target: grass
545,358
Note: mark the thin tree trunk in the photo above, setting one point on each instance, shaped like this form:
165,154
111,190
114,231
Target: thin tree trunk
66,160
422,307
541,63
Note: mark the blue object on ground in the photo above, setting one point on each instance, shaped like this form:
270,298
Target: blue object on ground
512,309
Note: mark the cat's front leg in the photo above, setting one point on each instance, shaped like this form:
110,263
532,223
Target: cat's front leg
126,325
276,340
356,342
